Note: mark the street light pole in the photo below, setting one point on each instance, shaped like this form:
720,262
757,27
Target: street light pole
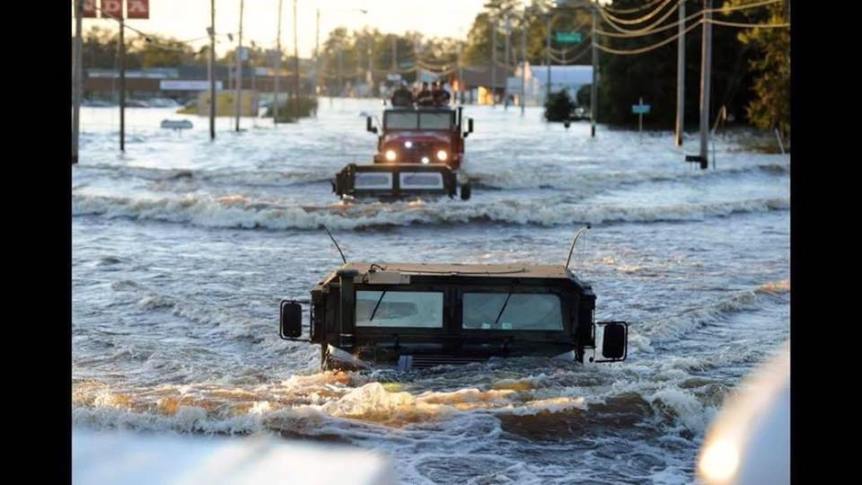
277,67
680,77
238,100
77,79
523,63
213,99
317,53
506,64
493,22
705,74
122,84
548,58
594,88
295,63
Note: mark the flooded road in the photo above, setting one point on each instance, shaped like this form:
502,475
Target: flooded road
182,249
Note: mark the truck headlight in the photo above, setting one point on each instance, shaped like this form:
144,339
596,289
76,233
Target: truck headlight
391,155
442,155
408,144
426,160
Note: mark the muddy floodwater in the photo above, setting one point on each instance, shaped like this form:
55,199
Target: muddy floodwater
182,249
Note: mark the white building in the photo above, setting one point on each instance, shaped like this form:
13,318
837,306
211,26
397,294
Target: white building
570,78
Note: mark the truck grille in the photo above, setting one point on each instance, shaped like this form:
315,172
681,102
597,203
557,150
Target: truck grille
406,362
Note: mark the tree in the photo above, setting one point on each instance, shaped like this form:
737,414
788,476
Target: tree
157,51
770,107
652,75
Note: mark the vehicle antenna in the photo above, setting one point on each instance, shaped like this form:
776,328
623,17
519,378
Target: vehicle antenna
571,251
336,244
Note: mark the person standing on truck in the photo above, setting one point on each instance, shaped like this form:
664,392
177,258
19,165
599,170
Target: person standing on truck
441,96
402,97
425,97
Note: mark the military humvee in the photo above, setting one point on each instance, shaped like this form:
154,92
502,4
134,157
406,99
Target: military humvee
407,315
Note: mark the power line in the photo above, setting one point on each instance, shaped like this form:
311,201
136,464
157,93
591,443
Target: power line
746,6
572,60
638,20
748,26
636,31
660,29
632,10
648,48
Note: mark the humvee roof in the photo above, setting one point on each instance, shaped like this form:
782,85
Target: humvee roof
479,270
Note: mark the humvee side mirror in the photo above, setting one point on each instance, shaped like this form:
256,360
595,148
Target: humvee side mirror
371,129
469,127
611,341
290,320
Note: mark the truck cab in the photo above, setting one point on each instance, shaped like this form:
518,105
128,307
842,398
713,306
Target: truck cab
421,136
407,315
420,151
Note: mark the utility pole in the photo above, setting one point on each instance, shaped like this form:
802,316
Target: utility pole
506,63
238,100
705,75
340,61
370,77
523,63
460,76
680,77
77,75
122,84
594,88
277,67
295,62
548,58
493,61
212,71
395,54
317,53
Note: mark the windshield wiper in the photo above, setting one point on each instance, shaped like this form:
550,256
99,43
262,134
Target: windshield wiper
502,309
373,312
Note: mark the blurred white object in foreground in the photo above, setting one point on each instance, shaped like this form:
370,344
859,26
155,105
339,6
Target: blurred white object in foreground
749,440
123,457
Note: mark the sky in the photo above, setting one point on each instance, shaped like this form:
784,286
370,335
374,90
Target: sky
189,19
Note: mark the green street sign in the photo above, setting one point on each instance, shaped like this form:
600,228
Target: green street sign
640,109
568,37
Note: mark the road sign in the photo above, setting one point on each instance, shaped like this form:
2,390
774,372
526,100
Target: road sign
244,53
138,9
568,37
639,109
187,85
112,9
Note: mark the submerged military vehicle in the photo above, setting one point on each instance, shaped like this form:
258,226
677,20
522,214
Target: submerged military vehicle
408,315
420,151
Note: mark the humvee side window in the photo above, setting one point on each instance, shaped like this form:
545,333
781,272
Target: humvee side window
416,309
435,121
512,311
401,121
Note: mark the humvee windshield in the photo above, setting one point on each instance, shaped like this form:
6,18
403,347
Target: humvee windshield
512,311
416,309
417,120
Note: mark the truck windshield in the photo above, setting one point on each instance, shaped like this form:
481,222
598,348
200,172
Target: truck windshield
395,120
414,309
435,121
512,311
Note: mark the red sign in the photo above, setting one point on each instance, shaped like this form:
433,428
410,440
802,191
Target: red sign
88,10
138,9
112,8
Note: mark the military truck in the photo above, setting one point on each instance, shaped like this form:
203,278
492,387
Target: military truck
414,315
420,151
